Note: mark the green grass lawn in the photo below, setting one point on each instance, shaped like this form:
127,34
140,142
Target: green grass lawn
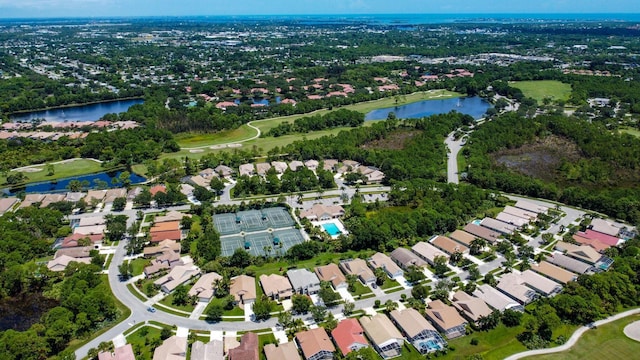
236,311
196,140
138,265
140,342
168,301
68,169
136,293
495,344
389,283
360,289
541,89
630,131
605,342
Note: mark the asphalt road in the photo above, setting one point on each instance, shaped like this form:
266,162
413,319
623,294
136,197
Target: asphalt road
454,147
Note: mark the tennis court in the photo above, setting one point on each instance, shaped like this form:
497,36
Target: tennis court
278,217
259,242
288,238
252,220
226,224
229,244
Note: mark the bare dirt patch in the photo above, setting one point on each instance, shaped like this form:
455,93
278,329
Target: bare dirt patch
395,141
539,159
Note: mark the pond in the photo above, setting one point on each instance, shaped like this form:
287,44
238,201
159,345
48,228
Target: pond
91,112
19,313
61,185
474,106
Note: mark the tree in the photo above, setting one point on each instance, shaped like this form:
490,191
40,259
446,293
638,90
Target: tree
125,269
300,304
285,319
511,318
119,204
490,321
180,295
509,261
319,313
240,259
414,274
144,198
348,308
381,276
352,280
490,279
262,308
165,333
214,313
50,170
476,246
442,289
327,295
116,226
390,305
474,273
440,265
420,292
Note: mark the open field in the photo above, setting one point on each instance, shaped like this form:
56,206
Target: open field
196,140
65,169
605,342
539,90
630,131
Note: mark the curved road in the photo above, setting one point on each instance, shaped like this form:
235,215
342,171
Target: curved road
574,338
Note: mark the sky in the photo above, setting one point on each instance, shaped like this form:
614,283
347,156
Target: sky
109,8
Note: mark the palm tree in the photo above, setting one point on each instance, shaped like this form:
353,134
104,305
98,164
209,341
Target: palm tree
390,305
476,246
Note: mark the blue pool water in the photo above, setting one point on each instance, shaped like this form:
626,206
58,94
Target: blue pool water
331,229
477,222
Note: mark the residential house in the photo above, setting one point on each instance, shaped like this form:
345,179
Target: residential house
95,196
384,336
198,180
596,244
113,194
540,283
92,221
603,238
482,232
248,349
359,268
295,165
262,168
31,199
554,272
74,240
499,226
276,286
418,330
75,252
462,237
165,245
513,285
90,230
7,204
279,166
315,344
319,212
371,174
167,260
312,164
204,288
348,335
243,289
531,207
569,263
176,277
380,260
330,165
223,171
213,350
446,319
286,351
208,173
427,252
449,246
304,281
583,253
173,348
405,258
74,197
604,227
332,274
246,170
170,216
510,219
496,299
120,353
471,307
160,188
521,213
60,263
51,199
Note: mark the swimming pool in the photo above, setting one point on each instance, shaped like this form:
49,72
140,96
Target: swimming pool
332,229
477,222
429,345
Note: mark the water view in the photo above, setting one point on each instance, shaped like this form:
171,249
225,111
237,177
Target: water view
474,106
91,112
103,179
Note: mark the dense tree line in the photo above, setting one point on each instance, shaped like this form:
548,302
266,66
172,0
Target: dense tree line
604,179
338,118
291,181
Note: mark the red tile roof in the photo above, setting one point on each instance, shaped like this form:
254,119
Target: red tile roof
347,333
159,236
594,235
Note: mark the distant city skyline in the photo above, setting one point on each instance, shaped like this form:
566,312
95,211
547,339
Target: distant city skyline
114,8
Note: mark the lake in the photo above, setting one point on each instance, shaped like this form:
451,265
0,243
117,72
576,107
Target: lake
60,185
91,112
474,106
